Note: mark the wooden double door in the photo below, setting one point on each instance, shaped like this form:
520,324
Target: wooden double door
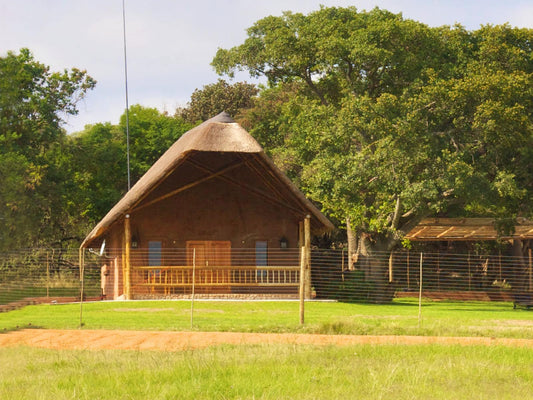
212,261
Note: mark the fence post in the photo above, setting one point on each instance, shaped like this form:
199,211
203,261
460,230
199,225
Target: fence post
530,272
307,234
438,270
82,273
342,265
469,274
391,260
47,275
303,255
500,265
408,273
193,279
420,292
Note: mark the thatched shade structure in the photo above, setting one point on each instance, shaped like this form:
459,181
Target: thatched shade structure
215,185
467,229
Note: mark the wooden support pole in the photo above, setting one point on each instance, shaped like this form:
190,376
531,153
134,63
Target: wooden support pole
307,235
127,259
301,240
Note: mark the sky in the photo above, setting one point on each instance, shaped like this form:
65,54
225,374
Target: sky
171,43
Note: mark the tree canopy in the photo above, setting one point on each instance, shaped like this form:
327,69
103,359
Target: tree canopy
385,121
214,98
54,185
33,103
99,156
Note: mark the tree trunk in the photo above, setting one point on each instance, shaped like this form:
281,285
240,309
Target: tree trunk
352,252
375,252
378,271
382,290
518,279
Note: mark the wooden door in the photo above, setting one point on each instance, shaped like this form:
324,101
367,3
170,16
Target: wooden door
212,260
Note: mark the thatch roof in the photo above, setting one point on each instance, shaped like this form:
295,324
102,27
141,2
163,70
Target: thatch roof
219,134
466,229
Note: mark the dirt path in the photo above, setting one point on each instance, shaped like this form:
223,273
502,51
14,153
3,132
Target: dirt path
177,341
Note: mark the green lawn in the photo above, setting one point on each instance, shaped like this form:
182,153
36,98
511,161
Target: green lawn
276,371
399,318
270,372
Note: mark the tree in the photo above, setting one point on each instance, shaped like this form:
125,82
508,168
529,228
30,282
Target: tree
98,167
151,134
337,51
33,101
393,121
212,99
98,158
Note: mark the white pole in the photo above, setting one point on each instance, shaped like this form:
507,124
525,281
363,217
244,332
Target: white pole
126,91
193,279
420,294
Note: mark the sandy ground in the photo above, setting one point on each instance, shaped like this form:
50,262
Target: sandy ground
178,341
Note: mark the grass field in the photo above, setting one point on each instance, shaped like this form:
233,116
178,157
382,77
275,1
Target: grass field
276,371
270,372
399,318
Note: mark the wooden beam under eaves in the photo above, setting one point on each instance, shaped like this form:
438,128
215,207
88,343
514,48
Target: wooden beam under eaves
261,175
251,189
154,187
190,185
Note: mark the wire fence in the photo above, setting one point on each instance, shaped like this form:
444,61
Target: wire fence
53,275
45,275
405,274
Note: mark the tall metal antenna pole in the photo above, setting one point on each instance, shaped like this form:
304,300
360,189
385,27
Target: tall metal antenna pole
127,101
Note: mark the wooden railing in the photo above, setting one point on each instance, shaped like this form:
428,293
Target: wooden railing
213,276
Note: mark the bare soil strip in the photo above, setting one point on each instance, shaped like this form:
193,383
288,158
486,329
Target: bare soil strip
179,341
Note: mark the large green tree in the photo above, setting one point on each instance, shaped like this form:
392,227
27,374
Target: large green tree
385,121
98,158
214,98
151,134
33,103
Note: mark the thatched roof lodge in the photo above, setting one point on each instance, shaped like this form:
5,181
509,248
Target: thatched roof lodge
214,199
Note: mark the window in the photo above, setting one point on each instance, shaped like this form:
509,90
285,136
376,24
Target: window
154,253
261,259
154,259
